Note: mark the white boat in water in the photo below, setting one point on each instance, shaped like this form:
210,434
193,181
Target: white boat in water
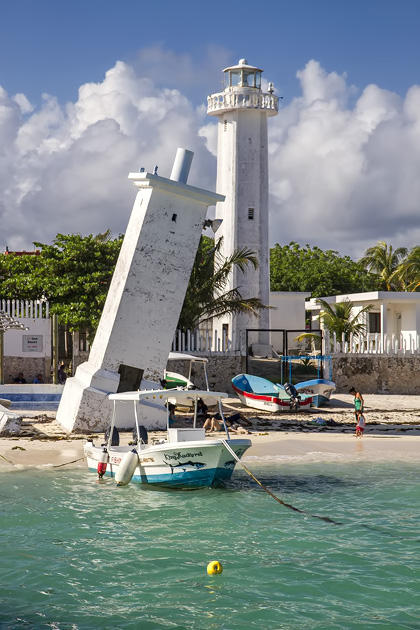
185,459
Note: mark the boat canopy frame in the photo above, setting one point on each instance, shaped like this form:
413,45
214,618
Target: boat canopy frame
146,397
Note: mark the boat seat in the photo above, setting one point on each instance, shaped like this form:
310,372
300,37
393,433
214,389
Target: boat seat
144,438
115,440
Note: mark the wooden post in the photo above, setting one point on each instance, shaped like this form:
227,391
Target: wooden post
1,357
55,347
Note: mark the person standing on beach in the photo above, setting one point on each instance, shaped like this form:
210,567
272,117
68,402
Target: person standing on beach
360,424
358,402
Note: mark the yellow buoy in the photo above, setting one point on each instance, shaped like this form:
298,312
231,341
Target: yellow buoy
214,567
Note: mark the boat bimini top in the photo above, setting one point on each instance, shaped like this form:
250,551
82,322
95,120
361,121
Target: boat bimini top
162,395
181,356
159,397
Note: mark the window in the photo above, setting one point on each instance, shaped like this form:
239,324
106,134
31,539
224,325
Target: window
250,214
374,322
225,125
235,77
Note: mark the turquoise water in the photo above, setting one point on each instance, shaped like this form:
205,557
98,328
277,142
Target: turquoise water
79,554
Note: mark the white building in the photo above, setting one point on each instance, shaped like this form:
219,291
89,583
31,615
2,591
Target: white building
27,350
393,322
242,176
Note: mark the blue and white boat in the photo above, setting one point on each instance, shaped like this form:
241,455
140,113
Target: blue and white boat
184,459
318,388
260,393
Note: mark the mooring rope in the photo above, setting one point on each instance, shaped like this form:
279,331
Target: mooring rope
67,463
288,505
53,466
6,460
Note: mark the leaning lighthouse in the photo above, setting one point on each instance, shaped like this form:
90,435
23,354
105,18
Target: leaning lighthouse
242,176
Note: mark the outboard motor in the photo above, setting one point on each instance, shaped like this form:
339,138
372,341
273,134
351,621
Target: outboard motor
115,440
291,391
144,438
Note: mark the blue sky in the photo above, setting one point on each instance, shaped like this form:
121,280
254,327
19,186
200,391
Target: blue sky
54,46
338,49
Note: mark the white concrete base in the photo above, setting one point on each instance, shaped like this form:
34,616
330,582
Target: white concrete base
9,422
85,408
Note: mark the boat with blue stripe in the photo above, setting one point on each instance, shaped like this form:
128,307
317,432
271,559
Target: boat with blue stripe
185,458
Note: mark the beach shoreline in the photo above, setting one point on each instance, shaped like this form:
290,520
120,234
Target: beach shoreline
392,432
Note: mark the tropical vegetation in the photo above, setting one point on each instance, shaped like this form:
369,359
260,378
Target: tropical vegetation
339,318
388,265
312,270
73,274
207,295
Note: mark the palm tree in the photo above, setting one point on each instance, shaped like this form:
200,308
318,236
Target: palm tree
339,319
408,271
206,296
384,261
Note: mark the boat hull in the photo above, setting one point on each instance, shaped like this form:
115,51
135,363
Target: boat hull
266,396
188,465
319,389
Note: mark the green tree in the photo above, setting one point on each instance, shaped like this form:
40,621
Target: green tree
386,263
296,268
206,296
338,318
407,274
73,274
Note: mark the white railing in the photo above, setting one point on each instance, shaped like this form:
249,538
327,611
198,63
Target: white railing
373,343
201,341
242,99
26,309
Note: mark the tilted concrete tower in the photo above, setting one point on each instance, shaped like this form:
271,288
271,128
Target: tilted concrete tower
242,176
143,304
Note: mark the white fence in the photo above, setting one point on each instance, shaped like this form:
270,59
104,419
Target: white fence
403,344
201,341
26,309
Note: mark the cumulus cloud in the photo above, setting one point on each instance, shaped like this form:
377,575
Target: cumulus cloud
344,163
344,170
64,169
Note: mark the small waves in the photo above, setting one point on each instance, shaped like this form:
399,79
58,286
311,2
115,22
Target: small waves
77,554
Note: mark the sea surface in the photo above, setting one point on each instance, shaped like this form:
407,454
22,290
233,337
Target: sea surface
79,554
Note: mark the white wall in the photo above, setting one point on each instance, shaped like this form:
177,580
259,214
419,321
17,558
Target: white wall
288,310
288,313
26,343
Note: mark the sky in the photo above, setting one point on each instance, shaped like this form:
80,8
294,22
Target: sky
92,90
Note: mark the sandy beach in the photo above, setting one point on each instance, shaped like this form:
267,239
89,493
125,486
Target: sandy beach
392,432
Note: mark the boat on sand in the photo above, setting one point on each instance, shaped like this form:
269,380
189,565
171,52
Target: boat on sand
319,388
185,458
260,393
174,379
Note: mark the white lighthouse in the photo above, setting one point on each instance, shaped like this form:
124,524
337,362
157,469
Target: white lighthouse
242,176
